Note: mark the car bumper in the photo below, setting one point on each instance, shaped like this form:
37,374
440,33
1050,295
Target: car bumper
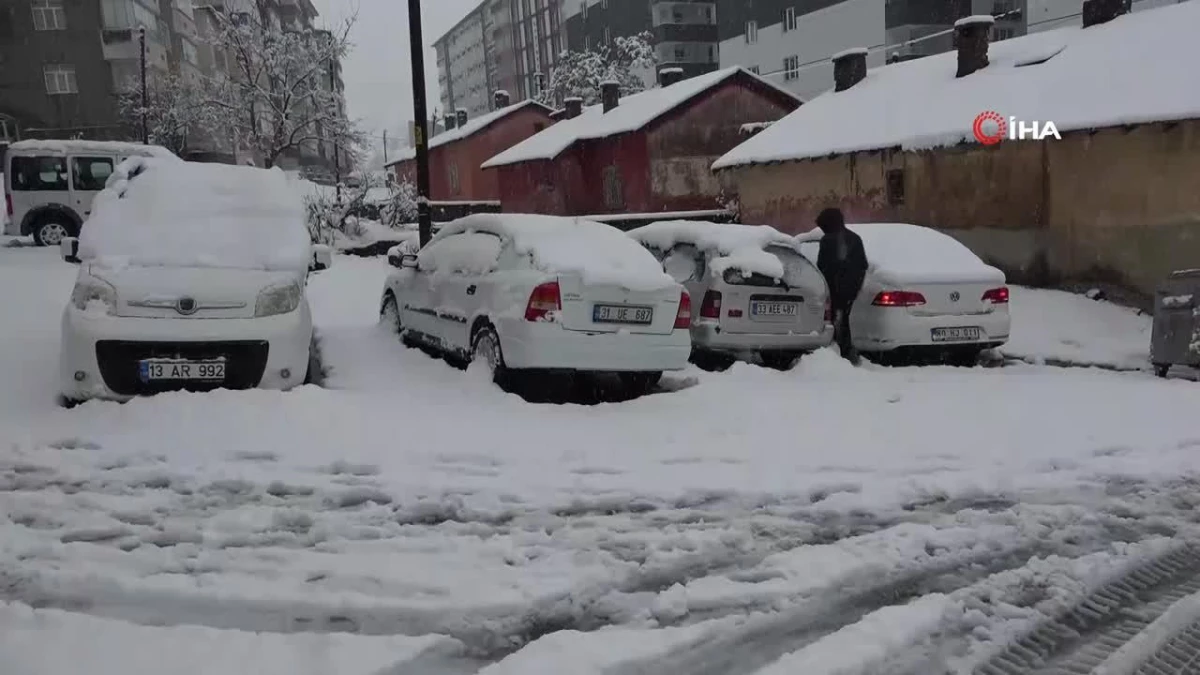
546,346
99,355
710,337
885,329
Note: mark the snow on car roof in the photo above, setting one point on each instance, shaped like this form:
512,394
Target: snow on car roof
632,113
188,214
600,253
66,147
739,246
1070,76
471,128
903,252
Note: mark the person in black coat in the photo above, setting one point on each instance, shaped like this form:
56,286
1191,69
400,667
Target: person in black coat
843,261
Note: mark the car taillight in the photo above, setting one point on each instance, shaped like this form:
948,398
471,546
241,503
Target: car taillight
710,308
898,299
683,317
543,300
8,204
997,296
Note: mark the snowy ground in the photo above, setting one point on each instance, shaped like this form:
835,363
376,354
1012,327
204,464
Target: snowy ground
825,520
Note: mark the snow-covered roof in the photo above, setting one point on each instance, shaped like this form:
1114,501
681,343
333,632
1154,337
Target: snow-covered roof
154,212
1136,68
599,253
65,147
631,114
902,252
731,245
469,129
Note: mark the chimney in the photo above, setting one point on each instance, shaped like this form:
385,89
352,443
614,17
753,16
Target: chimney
610,94
450,120
462,117
669,76
849,68
1102,11
971,40
501,99
572,107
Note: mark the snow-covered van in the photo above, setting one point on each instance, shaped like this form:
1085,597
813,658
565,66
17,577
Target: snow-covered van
50,184
191,276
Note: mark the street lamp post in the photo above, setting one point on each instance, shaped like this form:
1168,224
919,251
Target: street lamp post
420,121
145,95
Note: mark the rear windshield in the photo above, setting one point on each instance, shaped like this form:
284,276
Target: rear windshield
794,266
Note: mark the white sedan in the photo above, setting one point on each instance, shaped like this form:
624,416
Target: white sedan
529,293
925,294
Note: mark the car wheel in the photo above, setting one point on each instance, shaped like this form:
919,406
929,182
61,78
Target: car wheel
1161,369
314,374
712,362
640,384
485,347
51,230
389,315
779,360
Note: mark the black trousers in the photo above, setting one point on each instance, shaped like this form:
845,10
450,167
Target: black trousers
841,332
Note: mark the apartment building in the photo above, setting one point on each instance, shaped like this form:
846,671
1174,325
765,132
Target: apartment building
685,32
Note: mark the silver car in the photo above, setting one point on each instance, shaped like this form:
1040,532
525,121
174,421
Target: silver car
757,294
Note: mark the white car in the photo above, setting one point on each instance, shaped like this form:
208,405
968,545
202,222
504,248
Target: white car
759,294
925,294
540,293
192,276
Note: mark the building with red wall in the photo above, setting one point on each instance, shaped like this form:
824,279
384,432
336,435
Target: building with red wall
455,155
651,152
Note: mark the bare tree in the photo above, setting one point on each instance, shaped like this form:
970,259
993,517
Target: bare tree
178,111
580,73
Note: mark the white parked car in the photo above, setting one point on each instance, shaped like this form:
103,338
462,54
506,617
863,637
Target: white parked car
759,294
192,276
925,294
540,293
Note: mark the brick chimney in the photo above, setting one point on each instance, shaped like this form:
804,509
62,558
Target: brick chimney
450,119
572,107
669,76
501,99
461,113
1102,11
971,40
849,68
610,94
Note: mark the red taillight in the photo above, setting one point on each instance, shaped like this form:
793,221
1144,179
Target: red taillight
683,317
543,300
710,308
8,204
997,296
898,299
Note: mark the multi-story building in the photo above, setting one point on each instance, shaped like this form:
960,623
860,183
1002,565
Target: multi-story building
685,32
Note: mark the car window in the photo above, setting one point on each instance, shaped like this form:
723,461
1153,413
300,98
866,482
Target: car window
684,263
463,253
39,173
794,265
90,173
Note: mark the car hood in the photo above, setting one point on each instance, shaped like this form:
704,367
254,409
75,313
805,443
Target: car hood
216,293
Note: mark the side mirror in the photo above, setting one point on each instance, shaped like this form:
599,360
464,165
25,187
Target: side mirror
408,260
322,258
69,247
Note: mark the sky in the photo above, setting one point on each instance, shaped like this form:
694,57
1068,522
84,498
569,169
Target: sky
378,71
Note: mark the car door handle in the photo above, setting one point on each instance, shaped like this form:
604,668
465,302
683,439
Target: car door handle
471,289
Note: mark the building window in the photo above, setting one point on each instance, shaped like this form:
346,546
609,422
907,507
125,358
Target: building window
751,32
680,53
607,36
754,69
1002,34
895,187
789,19
613,197
60,79
791,68
454,178
49,15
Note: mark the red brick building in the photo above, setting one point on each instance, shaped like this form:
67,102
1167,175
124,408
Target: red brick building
648,153
455,154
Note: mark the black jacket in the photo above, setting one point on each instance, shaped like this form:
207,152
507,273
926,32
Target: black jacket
845,277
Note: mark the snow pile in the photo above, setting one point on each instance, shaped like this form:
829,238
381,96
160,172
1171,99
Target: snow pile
735,246
920,104
1060,327
467,253
61,147
632,113
189,214
599,253
904,253
471,128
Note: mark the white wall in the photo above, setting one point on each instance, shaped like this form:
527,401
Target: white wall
818,36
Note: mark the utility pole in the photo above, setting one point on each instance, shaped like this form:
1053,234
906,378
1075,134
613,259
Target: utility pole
385,147
337,152
145,94
420,121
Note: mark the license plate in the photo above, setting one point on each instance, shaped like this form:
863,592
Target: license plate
774,308
152,370
955,334
622,314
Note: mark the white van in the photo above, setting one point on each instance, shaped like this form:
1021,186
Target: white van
50,184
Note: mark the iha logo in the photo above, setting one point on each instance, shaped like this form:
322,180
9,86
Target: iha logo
990,128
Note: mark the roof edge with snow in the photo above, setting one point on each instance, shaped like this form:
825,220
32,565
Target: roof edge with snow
455,135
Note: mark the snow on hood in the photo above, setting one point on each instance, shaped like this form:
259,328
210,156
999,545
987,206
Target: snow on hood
599,253
733,246
154,212
902,252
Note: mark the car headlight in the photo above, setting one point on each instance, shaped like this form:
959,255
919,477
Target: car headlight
280,299
94,293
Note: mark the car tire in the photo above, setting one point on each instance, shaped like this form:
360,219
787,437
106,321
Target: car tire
1161,369
779,360
314,373
51,229
641,383
712,362
485,347
389,315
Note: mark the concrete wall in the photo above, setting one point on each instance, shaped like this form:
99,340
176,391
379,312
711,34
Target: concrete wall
1118,205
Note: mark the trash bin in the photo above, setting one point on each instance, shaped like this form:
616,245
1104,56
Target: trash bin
1175,339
